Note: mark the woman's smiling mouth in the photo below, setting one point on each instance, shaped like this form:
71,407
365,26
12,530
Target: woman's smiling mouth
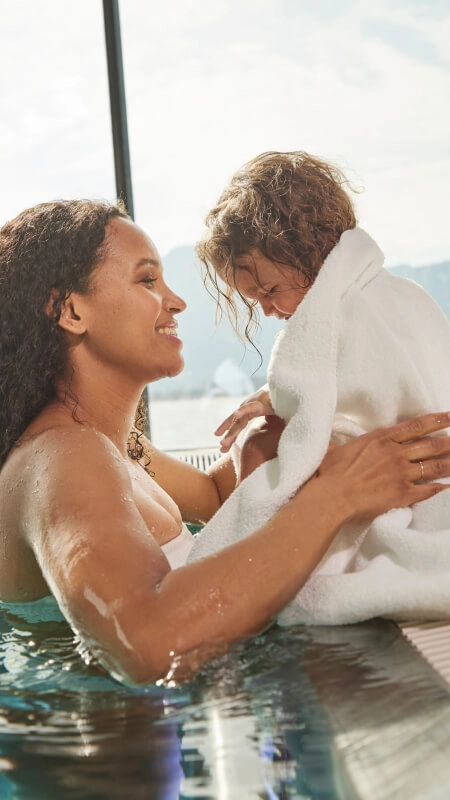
168,330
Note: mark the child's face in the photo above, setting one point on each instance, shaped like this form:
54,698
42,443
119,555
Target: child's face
277,288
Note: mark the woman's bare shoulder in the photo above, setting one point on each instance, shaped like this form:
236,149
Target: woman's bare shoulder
59,438
60,453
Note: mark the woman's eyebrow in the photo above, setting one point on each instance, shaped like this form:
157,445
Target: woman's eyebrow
152,262
147,262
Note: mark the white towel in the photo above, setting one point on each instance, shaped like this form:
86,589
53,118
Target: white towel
364,349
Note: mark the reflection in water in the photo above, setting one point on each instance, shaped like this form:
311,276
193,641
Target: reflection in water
275,718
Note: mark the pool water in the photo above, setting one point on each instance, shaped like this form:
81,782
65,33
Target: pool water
294,713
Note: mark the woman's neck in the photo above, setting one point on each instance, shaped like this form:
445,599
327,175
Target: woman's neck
100,406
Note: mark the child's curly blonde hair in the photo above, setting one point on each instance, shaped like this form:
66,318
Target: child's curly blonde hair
290,206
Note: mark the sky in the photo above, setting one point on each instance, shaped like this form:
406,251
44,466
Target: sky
212,83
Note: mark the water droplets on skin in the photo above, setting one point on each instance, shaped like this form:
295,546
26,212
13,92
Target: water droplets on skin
7,764
168,680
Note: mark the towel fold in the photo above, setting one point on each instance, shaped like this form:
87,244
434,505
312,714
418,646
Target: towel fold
364,349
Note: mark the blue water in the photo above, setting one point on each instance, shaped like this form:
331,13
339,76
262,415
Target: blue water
237,730
274,718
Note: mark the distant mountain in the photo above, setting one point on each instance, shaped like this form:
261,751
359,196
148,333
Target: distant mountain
216,362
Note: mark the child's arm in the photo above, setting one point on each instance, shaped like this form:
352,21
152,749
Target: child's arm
261,444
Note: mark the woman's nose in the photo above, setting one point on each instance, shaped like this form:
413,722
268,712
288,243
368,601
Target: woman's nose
174,303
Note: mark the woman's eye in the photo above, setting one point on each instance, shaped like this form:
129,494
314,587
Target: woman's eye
148,280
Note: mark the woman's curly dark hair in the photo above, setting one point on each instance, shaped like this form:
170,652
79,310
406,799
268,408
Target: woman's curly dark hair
52,246
291,206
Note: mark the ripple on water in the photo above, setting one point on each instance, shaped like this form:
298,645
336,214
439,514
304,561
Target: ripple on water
272,718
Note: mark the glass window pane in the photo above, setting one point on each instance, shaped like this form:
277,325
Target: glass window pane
55,129
211,85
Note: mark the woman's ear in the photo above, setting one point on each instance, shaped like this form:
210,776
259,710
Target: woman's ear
69,319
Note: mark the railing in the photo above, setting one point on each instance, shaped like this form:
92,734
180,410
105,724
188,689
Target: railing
432,640
202,458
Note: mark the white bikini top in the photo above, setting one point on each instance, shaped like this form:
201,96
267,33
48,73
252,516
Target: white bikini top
177,550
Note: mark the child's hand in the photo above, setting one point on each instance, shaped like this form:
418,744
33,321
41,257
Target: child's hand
257,405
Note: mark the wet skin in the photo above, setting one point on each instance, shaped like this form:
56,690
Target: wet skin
80,519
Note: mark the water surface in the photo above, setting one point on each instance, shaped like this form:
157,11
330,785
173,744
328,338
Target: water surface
294,713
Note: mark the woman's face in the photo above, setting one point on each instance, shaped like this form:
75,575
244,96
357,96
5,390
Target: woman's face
277,288
130,313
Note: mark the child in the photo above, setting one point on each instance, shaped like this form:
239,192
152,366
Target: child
360,348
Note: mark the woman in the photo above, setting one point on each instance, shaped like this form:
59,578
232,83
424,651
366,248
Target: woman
87,322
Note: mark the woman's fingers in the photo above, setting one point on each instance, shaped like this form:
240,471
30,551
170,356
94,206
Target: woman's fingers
428,455
416,427
431,470
431,447
393,468
423,491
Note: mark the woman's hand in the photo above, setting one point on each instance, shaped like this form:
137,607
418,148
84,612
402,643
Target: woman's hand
256,405
391,467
